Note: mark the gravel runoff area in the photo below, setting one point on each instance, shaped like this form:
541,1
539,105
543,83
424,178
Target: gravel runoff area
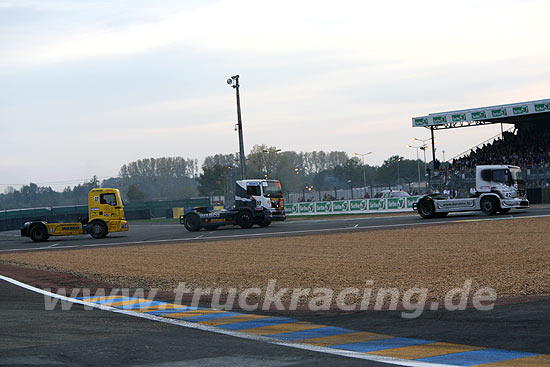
511,256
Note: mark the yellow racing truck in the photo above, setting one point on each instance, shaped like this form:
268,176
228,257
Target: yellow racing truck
105,215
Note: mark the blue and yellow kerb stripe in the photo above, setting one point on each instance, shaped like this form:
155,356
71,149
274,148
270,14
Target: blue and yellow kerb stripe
290,330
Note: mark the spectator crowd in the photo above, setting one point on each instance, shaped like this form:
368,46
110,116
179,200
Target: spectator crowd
526,149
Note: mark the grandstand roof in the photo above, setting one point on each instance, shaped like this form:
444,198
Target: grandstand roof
508,114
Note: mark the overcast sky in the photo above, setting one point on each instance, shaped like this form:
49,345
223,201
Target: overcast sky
87,86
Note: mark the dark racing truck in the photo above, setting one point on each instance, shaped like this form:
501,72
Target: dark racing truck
257,201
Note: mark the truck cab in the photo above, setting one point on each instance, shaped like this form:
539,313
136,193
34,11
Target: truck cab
498,189
105,206
505,181
261,195
105,215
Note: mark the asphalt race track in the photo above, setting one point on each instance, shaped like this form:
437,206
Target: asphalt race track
32,336
158,233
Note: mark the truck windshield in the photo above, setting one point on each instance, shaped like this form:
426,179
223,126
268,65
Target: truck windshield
517,176
273,190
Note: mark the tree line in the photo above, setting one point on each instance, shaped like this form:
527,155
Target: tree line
172,178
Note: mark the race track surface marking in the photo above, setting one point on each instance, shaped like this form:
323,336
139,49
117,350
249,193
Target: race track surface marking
288,332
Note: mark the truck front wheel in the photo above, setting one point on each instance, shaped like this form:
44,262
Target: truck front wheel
245,220
489,206
38,233
426,209
192,222
98,230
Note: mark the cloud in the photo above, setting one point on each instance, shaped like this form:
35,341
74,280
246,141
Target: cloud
426,31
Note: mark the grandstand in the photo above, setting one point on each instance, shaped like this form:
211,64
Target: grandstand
526,145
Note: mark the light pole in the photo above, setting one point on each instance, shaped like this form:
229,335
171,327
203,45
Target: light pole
362,155
426,147
398,178
234,82
423,147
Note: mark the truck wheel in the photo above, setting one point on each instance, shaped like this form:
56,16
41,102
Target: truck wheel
504,211
192,222
264,223
488,206
98,229
426,209
39,233
244,219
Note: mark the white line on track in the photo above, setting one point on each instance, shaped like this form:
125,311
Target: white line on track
332,219
275,234
191,325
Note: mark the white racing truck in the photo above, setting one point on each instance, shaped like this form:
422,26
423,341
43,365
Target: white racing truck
499,188
257,201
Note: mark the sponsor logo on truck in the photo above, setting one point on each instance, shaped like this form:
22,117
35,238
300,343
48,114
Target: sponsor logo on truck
441,204
209,215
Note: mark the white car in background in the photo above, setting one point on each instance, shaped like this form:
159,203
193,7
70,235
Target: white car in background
391,194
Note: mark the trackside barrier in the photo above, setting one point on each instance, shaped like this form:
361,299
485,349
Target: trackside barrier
358,206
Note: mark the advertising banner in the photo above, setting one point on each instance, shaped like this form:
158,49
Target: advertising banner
499,112
542,107
377,204
340,206
356,206
396,203
323,207
420,121
305,208
520,110
291,208
411,200
479,115
458,117
482,114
